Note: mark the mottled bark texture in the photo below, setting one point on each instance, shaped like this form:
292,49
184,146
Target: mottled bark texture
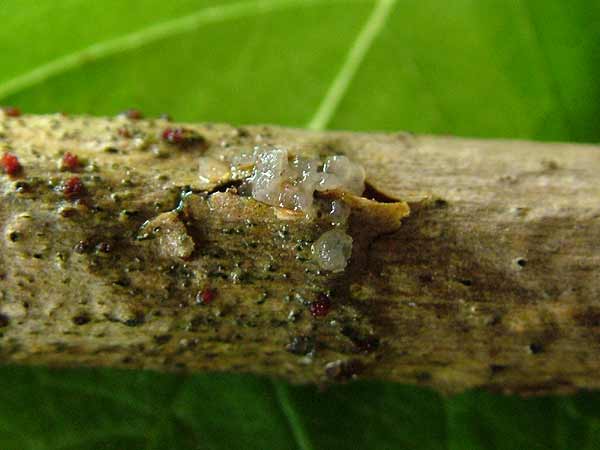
491,281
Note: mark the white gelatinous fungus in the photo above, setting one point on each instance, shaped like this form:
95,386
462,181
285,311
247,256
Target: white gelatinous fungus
332,250
290,183
342,174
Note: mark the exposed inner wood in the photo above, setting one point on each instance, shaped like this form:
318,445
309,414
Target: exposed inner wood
491,281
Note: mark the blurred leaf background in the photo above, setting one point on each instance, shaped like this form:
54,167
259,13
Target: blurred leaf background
486,68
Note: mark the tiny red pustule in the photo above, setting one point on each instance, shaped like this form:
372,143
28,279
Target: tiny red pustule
182,137
124,132
321,306
70,161
10,164
206,296
173,135
11,111
133,114
73,188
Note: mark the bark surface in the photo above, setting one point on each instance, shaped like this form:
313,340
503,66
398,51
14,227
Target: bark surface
492,280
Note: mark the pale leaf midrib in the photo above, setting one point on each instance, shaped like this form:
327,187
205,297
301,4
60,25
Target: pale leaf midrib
350,66
285,405
149,35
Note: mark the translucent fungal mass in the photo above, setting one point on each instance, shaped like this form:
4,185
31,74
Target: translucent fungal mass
290,183
333,250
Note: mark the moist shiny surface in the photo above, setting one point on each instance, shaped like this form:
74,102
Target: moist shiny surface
145,219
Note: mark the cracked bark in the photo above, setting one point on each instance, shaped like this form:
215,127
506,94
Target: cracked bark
492,280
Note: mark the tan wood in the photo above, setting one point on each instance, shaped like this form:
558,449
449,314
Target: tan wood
492,280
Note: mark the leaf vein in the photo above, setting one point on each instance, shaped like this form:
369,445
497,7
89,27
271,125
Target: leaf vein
356,55
148,35
285,404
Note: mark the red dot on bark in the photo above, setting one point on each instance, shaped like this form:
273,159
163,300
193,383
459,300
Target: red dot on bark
134,114
183,137
321,306
70,161
73,187
206,296
124,132
10,163
11,111
172,135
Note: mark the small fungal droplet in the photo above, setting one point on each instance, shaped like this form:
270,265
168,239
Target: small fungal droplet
124,132
206,296
321,306
10,163
11,111
133,114
182,137
73,188
70,161
333,250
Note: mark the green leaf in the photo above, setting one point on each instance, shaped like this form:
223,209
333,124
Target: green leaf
491,68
